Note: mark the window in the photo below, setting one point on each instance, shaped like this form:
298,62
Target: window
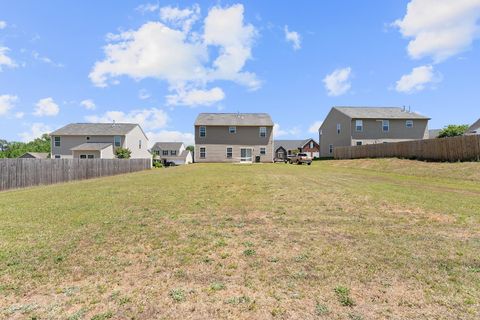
83,156
409,124
339,128
263,151
229,152
359,125
156,152
385,125
203,153
165,152
57,142
311,144
90,156
263,132
359,143
117,141
57,156
87,138
203,131
139,144
232,129
330,149
281,154
173,152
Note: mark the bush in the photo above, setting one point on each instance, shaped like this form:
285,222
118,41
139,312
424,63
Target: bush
157,164
453,130
123,153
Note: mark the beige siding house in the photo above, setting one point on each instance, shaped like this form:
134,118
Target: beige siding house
99,140
474,128
173,152
233,137
350,126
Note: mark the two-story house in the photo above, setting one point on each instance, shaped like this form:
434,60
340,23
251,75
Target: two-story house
351,126
172,152
98,140
284,148
474,128
233,137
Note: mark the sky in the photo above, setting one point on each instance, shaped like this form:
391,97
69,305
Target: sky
160,63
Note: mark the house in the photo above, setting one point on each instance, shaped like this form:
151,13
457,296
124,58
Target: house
99,140
35,155
233,137
172,152
283,148
474,128
434,133
351,126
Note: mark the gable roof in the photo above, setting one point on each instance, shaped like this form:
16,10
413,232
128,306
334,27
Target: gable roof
474,128
233,119
91,146
167,145
379,113
95,129
290,144
36,155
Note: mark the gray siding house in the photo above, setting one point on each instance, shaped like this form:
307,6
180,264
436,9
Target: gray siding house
350,126
98,140
172,152
284,148
474,128
233,137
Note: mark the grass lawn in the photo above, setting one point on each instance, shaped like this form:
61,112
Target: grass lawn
360,239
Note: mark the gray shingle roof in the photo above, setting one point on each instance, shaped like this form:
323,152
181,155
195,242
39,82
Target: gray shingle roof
379,113
91,146
107,129
36,155
474,128
234,119
434,133
290,144
167,145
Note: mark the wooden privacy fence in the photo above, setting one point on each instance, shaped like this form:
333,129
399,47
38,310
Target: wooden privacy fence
19,173
463,148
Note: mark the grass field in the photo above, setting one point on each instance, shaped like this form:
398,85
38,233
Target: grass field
366,239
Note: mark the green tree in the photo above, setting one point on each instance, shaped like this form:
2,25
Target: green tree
453,130
191,148
15,149
123,153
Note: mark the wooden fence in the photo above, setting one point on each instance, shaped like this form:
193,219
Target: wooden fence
463,148
19,173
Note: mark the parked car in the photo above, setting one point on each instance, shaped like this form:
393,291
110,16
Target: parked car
300,158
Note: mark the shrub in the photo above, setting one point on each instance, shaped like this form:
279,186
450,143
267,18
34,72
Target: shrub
157,164
453,130
343,295
123,153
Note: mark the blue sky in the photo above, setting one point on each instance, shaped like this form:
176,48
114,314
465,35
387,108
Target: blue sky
161,63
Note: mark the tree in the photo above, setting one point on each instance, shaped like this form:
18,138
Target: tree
15,149
453,130
191,149
123,153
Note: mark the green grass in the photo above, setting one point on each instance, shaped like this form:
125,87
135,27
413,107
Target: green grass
247,241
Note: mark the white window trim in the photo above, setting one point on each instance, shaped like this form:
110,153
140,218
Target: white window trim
234,130
55,142
407,122
260,151
339,128
204,152
200,131
114,143
231,153
261,130
388,125
330,148
173,152
356,125
164,152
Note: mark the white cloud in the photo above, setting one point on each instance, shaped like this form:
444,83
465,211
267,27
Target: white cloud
88,104
180,18
338,82
293,37
5,60
148,119
3,24
46,107
170,136
196,97
36,131
315,126
148,7
143,94
46,60
7,102
440,28
170,51
417,80
19,115
279,132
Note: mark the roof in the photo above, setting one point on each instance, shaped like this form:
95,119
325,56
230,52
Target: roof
379,113
434,133
91,146
290,144
94,129
475,127
37,155
167,145
182,156
234,119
